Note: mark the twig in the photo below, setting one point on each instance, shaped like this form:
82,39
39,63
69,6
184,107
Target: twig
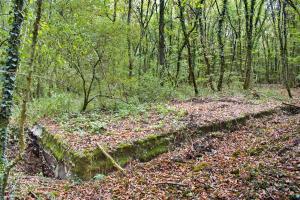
288,104
33,195
171,183
109,97
111,159
270,194
1,43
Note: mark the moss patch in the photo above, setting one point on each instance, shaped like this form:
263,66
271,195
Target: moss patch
53,143
201,166
256,151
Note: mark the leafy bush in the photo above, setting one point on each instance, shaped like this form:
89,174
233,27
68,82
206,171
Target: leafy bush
49,106
151,90
92,122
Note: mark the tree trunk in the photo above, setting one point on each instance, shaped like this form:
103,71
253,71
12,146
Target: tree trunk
204,46
249,14
282,34
130,59
114,18
266,58
9,81
188,44
239,64
221,44
161,43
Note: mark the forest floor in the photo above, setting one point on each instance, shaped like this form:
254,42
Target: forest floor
259,160
84,131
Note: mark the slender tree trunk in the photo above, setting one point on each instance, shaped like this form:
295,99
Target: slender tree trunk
130,59
266,50
282,33
249,14
87,90
188,44
85,104
161,43
180,48
239,64
221,44
142,31
178,65
114,18
204,46
169,52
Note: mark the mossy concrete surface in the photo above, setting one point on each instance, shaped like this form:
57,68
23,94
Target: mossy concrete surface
86,164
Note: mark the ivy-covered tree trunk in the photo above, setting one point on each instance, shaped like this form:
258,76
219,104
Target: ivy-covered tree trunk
9,80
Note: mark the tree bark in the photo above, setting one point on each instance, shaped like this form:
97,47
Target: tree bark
221,44
161,43
266,50
130,59
9,81
249,15
114,18
282,34
188,45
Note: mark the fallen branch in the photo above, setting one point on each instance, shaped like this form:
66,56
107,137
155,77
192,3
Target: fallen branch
33,195
107,96
270,194
111,159
171,183
288,104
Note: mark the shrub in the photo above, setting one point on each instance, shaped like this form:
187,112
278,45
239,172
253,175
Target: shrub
49,106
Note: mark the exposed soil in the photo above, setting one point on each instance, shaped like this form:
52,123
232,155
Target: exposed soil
36,161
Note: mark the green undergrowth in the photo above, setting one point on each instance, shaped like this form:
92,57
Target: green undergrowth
64,105
51,106
96,121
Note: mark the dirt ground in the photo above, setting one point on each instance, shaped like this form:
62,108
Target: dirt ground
258,161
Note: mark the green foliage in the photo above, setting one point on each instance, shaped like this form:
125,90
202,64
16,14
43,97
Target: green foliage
99,177
124,110
49,107
269,93
149,89
75,34
82,123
